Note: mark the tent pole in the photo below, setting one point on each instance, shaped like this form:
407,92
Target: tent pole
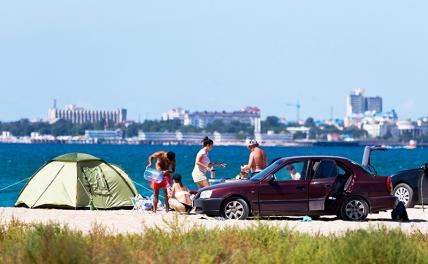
32,176
48,186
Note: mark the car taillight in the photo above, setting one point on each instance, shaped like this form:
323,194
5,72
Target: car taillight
389,184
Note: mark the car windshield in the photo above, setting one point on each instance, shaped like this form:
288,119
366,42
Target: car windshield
263,173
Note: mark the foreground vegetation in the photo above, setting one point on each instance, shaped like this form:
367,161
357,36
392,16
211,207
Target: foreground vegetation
36,243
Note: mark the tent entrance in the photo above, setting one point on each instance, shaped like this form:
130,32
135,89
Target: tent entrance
94,181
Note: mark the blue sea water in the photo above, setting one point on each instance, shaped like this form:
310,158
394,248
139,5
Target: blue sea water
19,161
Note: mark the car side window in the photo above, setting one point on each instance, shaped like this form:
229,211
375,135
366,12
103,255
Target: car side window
325,169
292,171
343,171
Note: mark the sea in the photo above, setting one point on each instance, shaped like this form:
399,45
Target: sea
20,161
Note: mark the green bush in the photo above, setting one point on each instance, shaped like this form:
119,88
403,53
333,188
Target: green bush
52,243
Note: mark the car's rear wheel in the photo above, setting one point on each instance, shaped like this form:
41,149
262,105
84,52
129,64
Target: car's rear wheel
354,209
235,208
404,193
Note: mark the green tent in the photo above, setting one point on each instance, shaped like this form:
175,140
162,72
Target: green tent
78,180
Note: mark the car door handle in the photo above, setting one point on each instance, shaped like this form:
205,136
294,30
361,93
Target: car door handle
300,187
327,186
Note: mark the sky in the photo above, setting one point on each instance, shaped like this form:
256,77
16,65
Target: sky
151,56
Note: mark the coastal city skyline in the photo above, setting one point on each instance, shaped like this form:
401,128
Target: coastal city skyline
148,58
287,111
366,120
357,105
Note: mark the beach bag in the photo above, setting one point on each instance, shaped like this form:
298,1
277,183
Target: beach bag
399,213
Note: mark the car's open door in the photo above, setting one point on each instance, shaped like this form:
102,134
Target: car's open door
367,155
324,173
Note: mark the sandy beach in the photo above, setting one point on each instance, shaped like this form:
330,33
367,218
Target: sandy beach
127,221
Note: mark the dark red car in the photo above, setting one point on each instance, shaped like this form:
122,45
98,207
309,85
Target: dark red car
309,185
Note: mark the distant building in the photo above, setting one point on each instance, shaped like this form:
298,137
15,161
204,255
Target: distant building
201,119
301,129
225,137
177,114
160,136
219,138
104,134
272,138
407,127
373,104
379,130
248,115
184,138
422,124
357,106
79,115
7,137
356,103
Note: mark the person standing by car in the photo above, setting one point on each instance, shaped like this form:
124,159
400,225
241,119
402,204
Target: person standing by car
203,164
165,163
258,158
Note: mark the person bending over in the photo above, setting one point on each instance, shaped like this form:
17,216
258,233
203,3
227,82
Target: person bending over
165,163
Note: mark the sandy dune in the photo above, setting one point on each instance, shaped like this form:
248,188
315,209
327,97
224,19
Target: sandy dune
125,221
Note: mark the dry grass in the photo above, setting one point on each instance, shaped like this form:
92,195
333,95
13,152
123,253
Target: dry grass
52,243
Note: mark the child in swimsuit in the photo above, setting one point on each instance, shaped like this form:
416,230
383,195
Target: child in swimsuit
179,197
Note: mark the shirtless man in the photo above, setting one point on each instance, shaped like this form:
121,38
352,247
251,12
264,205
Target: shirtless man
165,162
258,158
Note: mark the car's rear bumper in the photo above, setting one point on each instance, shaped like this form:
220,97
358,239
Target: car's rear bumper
209,206
382,203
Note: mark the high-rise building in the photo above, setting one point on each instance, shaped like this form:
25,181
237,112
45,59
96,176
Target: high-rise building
79,115
374,104
357,105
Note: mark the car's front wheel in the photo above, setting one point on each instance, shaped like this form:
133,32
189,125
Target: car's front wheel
404,193
354,209
235,208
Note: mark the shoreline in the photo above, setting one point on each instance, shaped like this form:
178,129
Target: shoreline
308,143
136,222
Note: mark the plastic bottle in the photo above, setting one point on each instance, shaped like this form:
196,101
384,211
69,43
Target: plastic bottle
153,175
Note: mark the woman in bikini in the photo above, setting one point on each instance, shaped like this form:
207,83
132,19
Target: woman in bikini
179,197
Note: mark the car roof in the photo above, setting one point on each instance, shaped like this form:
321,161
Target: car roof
315,157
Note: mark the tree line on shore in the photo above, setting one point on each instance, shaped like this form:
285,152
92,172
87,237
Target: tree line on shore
25,127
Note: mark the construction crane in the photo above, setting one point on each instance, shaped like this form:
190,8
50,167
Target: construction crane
297,106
